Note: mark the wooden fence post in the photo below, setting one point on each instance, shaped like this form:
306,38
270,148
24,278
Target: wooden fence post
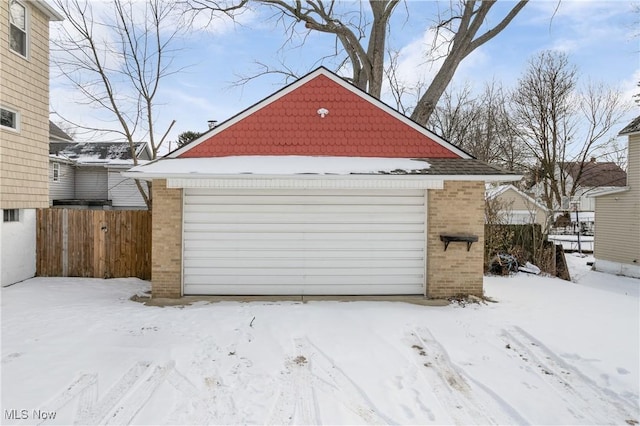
100,231
65,243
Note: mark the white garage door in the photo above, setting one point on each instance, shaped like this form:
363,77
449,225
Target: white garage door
339,242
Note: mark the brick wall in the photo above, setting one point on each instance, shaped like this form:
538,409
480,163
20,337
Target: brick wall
458,208
166,257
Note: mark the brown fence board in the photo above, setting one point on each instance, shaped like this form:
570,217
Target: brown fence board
93,243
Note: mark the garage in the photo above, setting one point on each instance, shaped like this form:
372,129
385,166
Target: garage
304,241
318,189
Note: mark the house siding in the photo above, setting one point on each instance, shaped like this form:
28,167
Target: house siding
123,191
457,208
166,255
63,189
92,183
515,202
24,154
617,226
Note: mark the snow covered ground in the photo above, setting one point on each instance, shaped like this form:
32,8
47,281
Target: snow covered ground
570,242
548,352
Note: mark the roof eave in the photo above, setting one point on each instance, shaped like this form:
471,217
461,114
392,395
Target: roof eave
609,192
354,176
45,8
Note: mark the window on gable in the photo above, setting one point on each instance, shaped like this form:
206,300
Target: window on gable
18,28
11,215
56,172
9,119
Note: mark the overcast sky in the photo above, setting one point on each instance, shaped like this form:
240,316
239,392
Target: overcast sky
601,39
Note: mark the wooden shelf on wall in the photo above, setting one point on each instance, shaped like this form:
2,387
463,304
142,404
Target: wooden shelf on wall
453,238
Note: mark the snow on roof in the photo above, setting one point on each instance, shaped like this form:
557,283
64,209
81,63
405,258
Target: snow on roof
633,127
282,165
492,192
96,152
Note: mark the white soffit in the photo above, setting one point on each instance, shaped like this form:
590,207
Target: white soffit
309,182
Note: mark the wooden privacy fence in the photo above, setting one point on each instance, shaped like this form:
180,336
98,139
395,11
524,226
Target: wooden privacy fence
93,243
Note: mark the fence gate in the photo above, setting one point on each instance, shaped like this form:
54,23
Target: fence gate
93,243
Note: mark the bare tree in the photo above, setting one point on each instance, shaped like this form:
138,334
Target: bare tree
116,60
481,125
561,124
363,35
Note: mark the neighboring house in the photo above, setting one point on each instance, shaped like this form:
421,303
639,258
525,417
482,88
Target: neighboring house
595,176
56,134
88,174
24,136
61,170
617,231
517,208
318,189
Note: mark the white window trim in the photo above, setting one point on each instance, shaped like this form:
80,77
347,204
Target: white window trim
27,25
56,172
12,220
18,119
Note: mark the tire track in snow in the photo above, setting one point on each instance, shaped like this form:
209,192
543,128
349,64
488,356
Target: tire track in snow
90,411
198,409
297,395
132,403
465,404
587,401
70,393
341,387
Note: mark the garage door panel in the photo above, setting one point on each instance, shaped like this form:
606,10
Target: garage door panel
299,281
308,236
211,255
308,289
295,209
303,242
305,218
205,266
249,245
305,270
195,228
324,198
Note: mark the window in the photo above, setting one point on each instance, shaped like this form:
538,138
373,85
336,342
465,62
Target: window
9,118
56,172
18,28
11,215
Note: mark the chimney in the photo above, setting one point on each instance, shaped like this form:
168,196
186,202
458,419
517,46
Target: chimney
593,159
212,124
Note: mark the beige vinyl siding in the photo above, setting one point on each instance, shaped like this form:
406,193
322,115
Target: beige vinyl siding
123,192
516,203
633,170
24,155
63,189
617,228
91,183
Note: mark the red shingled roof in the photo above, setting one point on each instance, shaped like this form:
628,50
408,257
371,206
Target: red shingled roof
288,123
